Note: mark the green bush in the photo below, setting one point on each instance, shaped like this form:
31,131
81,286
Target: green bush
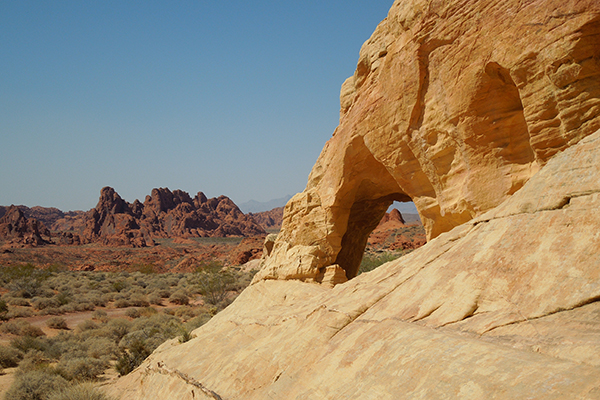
18,301
179,297
132,313
86,325
34,385
34,360
9,357
82,391
138,300
57,323
122,303
371,261
131,358
100,315
155,298
117,328
101,347
19,312
81,368
21,328
27,343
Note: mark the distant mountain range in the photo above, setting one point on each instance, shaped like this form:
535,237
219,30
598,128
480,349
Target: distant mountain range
254,206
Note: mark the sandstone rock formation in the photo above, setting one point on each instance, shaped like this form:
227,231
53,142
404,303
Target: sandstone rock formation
18,229
164,214
486,114
454,105
269,219
504,306
392,233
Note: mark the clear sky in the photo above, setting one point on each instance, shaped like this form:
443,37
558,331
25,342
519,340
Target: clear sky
225,97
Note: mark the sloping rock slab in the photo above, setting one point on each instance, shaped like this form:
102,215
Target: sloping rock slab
466,316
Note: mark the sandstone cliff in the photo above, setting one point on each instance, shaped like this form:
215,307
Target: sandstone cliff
487,115
454,105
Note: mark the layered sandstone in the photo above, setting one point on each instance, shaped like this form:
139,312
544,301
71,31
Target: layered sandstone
454,105
504,306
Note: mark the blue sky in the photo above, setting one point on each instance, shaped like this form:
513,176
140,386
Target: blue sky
225,97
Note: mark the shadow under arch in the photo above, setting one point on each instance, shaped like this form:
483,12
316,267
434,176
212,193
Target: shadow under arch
364,217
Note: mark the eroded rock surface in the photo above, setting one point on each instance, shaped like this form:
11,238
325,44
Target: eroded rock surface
503,306
454,105
20,230
164,214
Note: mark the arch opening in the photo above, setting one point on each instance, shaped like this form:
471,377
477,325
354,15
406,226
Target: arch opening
364,217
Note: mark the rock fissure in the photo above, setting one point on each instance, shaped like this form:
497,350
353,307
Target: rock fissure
161,368
583,303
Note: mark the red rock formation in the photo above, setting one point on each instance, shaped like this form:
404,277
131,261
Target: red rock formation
269,219
164,214
14,226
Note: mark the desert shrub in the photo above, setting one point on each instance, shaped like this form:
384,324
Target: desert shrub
179,297
132,313
12,327
82,391
34,385
67,308
198,321
119,285
63,297
81,368
186,335
96,298
34,360
57,323
371,261
138,300
17,301
27,343
164,293
100,315
131,357
21,328
88,324
101,347
108,297
155,298
85,306
122,303
19,312
186,312
24,280
117,328
65,344
147,311
52,311
9,357
215,285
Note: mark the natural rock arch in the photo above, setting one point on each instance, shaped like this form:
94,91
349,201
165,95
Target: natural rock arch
436,115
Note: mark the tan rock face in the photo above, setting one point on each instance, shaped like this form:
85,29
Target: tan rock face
504,306
454,105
